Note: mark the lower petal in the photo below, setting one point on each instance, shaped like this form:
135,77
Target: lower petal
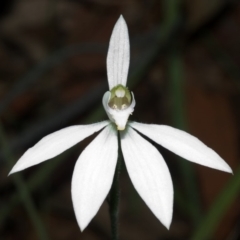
93,175
149,174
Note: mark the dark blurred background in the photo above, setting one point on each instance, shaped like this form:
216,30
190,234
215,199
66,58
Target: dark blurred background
184,72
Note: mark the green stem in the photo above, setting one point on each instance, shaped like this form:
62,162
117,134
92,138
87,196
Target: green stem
23,191
176,75
114,197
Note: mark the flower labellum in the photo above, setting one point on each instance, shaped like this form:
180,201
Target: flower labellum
118,105
95,167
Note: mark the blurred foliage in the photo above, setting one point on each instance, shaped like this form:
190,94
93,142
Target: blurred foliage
184,72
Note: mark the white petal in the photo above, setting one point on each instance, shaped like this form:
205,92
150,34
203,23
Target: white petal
93,175
56,143
183,144
119,117
149,174
118,55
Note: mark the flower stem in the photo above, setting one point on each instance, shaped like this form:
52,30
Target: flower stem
113,201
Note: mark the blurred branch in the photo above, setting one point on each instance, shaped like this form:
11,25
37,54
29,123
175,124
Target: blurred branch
176,78
39,177
187,170
222,203
222,58
34,75
226,8
52,123
23,191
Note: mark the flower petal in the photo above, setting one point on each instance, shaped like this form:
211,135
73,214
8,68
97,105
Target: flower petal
183,144
149,174
93,175
118,55
56,143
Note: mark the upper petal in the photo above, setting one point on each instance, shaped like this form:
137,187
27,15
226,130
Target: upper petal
118,55
93,175
56,143
183,144
149,174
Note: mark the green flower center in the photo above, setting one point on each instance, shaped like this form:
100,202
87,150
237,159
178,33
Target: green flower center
120,98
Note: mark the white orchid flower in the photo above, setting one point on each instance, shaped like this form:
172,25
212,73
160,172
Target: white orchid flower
94,170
